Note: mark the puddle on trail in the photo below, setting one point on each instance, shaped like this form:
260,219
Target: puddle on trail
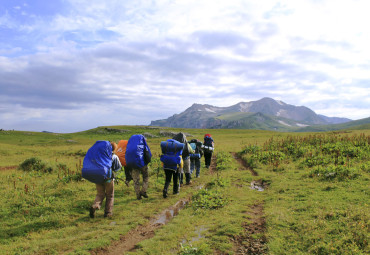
199,236
257,185
171,212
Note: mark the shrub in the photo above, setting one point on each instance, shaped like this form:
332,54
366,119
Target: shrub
35,164
338,172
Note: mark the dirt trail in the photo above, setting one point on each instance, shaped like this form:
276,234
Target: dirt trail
244,164
3,168
253,240
129,241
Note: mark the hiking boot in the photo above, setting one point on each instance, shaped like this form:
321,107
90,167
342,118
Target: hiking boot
138,197
108,215
144,194
92,212
164,193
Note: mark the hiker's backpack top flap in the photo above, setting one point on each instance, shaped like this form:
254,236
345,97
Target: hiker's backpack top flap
97,162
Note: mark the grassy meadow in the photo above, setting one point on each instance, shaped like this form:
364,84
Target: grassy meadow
315,200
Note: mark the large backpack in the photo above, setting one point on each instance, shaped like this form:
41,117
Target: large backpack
138,153
196,146
121,151
180,137
97,162
208,143
171,153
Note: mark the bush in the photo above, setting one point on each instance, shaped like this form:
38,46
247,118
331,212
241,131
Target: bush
334,172
35,164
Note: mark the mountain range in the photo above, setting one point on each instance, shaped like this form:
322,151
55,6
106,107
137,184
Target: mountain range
264,114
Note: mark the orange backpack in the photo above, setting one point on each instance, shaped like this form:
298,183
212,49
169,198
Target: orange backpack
121,151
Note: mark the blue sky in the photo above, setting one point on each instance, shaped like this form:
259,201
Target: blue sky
72,65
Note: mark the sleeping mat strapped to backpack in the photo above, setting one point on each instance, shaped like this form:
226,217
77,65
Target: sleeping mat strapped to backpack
97,162
121,151
171,153
138,153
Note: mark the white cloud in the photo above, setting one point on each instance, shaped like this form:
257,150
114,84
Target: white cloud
156,58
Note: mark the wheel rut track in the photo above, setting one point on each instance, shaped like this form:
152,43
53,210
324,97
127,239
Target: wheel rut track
253,239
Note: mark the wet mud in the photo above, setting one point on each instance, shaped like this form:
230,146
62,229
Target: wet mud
253,239
129,241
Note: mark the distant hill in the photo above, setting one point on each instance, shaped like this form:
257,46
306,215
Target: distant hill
264,114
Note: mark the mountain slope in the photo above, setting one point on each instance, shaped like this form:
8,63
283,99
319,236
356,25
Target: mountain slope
266,113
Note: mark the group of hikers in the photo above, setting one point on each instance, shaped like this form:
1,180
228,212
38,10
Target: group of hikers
179,157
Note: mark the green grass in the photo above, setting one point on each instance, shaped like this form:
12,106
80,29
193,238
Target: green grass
47,212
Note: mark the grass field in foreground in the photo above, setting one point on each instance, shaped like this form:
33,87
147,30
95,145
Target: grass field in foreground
306,212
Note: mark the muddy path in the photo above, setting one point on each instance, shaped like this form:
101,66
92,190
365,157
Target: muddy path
129,241
253,239
3,168
243,164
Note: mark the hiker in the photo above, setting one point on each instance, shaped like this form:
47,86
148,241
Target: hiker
172,162
208,148
196,145
106,188
121,152
138,156
180,137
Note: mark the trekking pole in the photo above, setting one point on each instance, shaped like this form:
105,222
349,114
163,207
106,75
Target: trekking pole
157,177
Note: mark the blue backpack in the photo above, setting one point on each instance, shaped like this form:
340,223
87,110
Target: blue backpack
171,153
97,162
138,153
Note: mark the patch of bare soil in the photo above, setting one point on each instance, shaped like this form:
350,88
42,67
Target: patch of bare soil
213,166
253,240
244,164
3,168
129,241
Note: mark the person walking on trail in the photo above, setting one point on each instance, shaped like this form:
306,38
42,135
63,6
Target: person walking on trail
106,189
138,156
172,162
208,148
180,137
196,145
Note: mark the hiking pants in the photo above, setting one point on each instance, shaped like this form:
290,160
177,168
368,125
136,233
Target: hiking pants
187,165
104,190
195,163
169,174
128,171
136,177
207,158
